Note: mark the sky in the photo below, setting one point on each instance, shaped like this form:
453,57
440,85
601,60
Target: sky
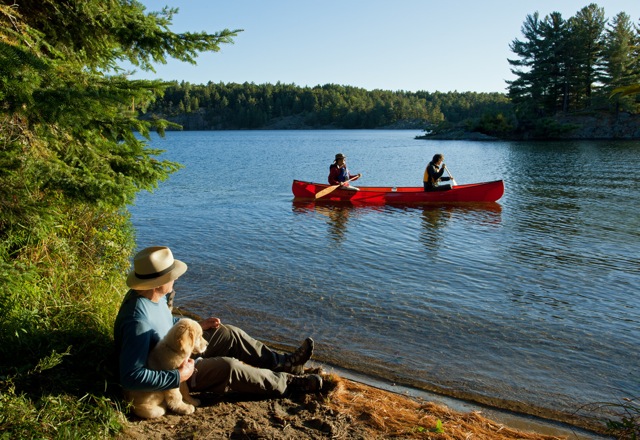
411,45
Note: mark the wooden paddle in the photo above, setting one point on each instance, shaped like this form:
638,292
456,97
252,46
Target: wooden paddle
451,175
330,189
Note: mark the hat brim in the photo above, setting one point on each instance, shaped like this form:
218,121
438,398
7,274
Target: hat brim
140,284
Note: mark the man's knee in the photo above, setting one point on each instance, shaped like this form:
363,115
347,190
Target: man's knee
212,374
219,340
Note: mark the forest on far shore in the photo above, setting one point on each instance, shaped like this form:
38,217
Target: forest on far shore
564,68
250,106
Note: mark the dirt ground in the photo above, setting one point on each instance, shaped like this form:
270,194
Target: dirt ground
344,410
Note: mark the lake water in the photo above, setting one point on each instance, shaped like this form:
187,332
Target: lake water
532,303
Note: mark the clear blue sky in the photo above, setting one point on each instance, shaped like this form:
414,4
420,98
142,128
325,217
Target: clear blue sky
432,45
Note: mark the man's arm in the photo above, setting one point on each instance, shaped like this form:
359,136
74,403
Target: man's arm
134,374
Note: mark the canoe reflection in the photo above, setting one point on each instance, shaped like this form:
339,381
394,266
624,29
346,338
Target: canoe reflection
436,217
337,215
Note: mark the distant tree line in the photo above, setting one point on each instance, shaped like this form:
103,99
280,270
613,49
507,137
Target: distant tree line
564,66
249,105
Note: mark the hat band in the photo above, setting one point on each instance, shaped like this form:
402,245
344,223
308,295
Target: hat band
156,274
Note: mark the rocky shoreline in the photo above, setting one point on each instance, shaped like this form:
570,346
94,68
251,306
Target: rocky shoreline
586,126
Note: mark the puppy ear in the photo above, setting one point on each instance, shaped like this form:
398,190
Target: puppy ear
186,337
179,331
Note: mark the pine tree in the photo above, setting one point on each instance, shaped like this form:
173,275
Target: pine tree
554,64
526,90
620,61
586,44
79,117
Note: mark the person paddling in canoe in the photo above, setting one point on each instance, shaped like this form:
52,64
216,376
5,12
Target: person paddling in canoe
339,174
433,175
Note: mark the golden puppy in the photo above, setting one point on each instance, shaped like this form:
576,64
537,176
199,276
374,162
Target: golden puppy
182,340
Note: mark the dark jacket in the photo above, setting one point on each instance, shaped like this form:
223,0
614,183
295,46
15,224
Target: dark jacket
433,175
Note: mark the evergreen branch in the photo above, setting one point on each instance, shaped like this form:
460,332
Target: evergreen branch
625,91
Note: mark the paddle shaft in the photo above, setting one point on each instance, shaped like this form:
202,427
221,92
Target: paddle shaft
331,188
453,180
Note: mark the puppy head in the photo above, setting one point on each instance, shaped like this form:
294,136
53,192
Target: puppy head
189,337
200,343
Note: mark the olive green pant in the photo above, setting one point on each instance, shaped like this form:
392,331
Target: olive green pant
236,362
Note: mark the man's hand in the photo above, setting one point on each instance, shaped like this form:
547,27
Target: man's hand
208,323
186,369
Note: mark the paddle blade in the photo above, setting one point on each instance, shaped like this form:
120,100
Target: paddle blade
326,191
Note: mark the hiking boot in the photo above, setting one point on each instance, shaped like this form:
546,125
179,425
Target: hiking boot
294,363
307,383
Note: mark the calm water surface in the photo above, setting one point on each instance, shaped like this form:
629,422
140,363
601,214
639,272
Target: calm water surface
531,303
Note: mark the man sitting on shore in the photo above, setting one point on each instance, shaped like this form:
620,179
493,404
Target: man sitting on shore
233,361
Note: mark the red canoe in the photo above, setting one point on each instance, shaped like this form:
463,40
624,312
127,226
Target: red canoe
369,195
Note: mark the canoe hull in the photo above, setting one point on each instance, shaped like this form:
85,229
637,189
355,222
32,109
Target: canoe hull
469,193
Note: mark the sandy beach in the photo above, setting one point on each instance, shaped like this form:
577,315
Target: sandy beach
347,410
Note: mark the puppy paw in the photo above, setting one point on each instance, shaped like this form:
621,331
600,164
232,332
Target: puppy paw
193,401
149,412
184,409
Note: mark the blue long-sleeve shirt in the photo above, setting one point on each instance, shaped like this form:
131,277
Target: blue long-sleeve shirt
139,326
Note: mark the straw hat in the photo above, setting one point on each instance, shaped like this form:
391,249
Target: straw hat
153,267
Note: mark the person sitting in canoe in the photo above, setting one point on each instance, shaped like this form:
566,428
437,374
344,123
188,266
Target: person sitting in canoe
433,174
339,174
